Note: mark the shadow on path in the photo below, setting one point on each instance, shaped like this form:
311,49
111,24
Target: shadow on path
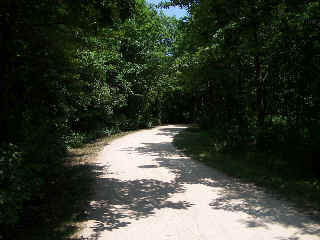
118,202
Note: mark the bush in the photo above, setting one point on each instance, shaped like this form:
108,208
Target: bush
13,188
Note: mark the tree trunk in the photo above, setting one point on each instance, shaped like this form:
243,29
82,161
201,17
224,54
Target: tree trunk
260,93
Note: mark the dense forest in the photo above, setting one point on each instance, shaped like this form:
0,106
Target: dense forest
248,71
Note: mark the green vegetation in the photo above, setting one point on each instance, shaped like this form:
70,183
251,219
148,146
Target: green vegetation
61,207
251,69
73,70
65,199
268,170
247,72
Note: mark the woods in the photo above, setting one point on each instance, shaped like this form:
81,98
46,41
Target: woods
72,70
256,67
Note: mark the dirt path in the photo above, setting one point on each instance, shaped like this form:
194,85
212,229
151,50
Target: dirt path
148,190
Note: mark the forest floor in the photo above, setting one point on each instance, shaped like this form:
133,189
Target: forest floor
147,189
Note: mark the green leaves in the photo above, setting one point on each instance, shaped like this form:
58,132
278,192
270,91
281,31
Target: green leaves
248,62
55,81
13,189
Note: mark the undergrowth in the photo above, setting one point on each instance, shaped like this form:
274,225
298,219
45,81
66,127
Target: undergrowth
56,214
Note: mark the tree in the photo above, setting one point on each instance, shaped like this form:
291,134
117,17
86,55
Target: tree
251,62
41,79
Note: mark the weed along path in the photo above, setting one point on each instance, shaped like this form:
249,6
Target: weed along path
148,190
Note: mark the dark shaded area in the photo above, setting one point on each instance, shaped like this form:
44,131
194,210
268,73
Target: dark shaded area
63,203
116,202
148,166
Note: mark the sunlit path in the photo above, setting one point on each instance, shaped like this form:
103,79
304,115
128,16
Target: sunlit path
146,189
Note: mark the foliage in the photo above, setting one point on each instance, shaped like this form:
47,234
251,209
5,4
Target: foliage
13,187
255,65
73,71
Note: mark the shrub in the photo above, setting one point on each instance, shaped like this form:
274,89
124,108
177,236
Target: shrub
13,189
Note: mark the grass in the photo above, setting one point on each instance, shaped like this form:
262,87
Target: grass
56,216
85,153
270,171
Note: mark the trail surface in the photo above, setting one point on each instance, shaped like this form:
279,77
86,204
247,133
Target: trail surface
148,190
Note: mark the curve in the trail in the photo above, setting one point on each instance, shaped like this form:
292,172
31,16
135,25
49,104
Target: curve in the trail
146,189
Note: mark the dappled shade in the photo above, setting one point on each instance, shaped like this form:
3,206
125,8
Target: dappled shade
121,201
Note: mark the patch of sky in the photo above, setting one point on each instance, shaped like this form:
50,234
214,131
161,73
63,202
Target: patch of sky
172,11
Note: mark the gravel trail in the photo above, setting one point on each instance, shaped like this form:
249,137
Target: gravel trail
148,190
